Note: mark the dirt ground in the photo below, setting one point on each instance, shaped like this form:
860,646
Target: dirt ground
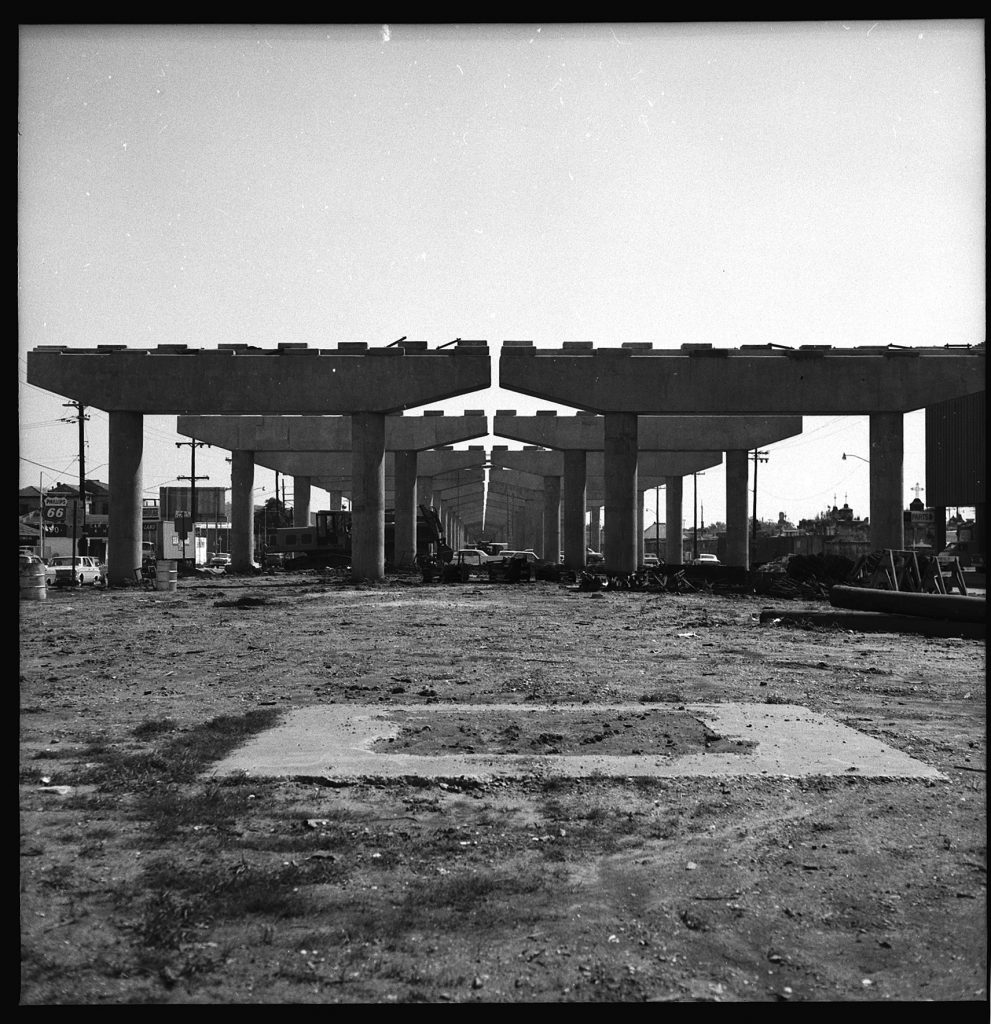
145,879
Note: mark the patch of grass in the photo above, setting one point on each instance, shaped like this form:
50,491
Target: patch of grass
174,807
181,760
154,727
59,877
666,828
466,902
232,891
708,808
311,842
663,697
246,602
59,754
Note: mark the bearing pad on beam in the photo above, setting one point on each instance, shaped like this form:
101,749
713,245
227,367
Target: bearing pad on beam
341,743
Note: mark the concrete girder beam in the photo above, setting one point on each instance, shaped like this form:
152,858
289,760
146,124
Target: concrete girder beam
751,380
330,433
586,431
334,463
455,498
509,490
342,482
650,463
239,380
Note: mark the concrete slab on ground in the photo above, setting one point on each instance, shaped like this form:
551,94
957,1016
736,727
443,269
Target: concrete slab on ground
334,743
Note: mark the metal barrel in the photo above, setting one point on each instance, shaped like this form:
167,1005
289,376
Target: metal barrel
33,584
166,576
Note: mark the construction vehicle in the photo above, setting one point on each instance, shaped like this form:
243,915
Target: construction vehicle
327,541
493,548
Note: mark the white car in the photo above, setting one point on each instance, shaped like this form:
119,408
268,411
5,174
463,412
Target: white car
706,560
470,556
88,570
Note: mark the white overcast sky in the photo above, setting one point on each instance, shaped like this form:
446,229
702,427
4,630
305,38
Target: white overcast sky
796,183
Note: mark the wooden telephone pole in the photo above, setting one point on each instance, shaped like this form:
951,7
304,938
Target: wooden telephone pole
192,478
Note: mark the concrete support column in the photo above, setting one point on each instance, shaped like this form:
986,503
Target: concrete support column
640,548
674,545
335,500
126,444
301,501
551,539
405,546
242,510
533,525
368,496
575,490
887,431
620,462
595,528
737,534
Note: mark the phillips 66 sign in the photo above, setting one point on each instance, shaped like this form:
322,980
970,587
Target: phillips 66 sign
54,515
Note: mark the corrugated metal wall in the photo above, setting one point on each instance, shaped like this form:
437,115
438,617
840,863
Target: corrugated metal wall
955,452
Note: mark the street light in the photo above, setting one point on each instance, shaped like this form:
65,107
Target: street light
850,455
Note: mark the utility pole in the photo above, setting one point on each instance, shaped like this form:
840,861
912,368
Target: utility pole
657,522
41,515
758,456
79,543
192,478
695,514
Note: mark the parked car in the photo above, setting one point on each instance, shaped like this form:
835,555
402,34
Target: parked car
706,560
651,561
528,555
470,557
592,556
219,561
88,571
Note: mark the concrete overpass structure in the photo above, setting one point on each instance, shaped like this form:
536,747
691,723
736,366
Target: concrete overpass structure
296,443
437,470
445,474
589,476
239,380
623,384
585,432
